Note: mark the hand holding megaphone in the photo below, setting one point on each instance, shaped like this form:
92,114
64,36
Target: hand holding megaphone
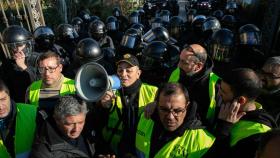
106,100
93,83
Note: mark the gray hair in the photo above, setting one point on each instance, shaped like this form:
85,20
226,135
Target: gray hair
272,61
69,105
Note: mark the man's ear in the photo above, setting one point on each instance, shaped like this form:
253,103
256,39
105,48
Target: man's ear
139,72
199,66
242,100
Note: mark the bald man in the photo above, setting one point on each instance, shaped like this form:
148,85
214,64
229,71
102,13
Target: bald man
194,71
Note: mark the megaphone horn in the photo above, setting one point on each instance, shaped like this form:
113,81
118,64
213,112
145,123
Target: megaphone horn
92,81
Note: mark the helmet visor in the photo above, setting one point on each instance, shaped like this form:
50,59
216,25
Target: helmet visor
250,38
221,53
12,48
147,63
149,36
155,24
128,41
112,26
165,18
134,20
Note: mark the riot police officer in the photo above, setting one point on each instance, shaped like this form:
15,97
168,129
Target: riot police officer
123,21
222,51
158,60
18,67
97,30
176,30
251,53
113,30
88,50
209,26
131,43
80,27
66,37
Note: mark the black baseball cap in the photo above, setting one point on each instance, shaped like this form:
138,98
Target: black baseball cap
130,59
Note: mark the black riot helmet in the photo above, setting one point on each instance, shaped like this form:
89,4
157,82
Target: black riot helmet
175,27
134,17
77,23
116,12
210,25
142,15
165,15
112,23
221,47
66,33
190,15
250,35
97,30
154,56
156,34
139,27
16,37
44,37
218,14
157,56
131,39
93,18
231,7
88,50
85,16
228,21
157,22
197,23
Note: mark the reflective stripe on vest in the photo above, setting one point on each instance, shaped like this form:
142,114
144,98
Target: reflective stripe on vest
67,87
25,131
193,143
146,95
174,77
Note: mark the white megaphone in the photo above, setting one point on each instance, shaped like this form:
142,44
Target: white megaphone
92,81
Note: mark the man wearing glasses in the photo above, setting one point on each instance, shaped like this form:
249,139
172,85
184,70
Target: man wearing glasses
173,130
194,71
271,78
53,84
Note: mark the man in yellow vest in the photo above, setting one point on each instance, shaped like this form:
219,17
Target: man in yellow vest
17,126
53,84
194,71
123,108
173,130
241,118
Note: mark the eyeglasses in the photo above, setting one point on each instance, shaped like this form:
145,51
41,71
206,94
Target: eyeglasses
175,112
44,69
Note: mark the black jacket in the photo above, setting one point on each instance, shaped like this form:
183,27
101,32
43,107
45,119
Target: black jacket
18,80
198,88
50,143
271,102
245,147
